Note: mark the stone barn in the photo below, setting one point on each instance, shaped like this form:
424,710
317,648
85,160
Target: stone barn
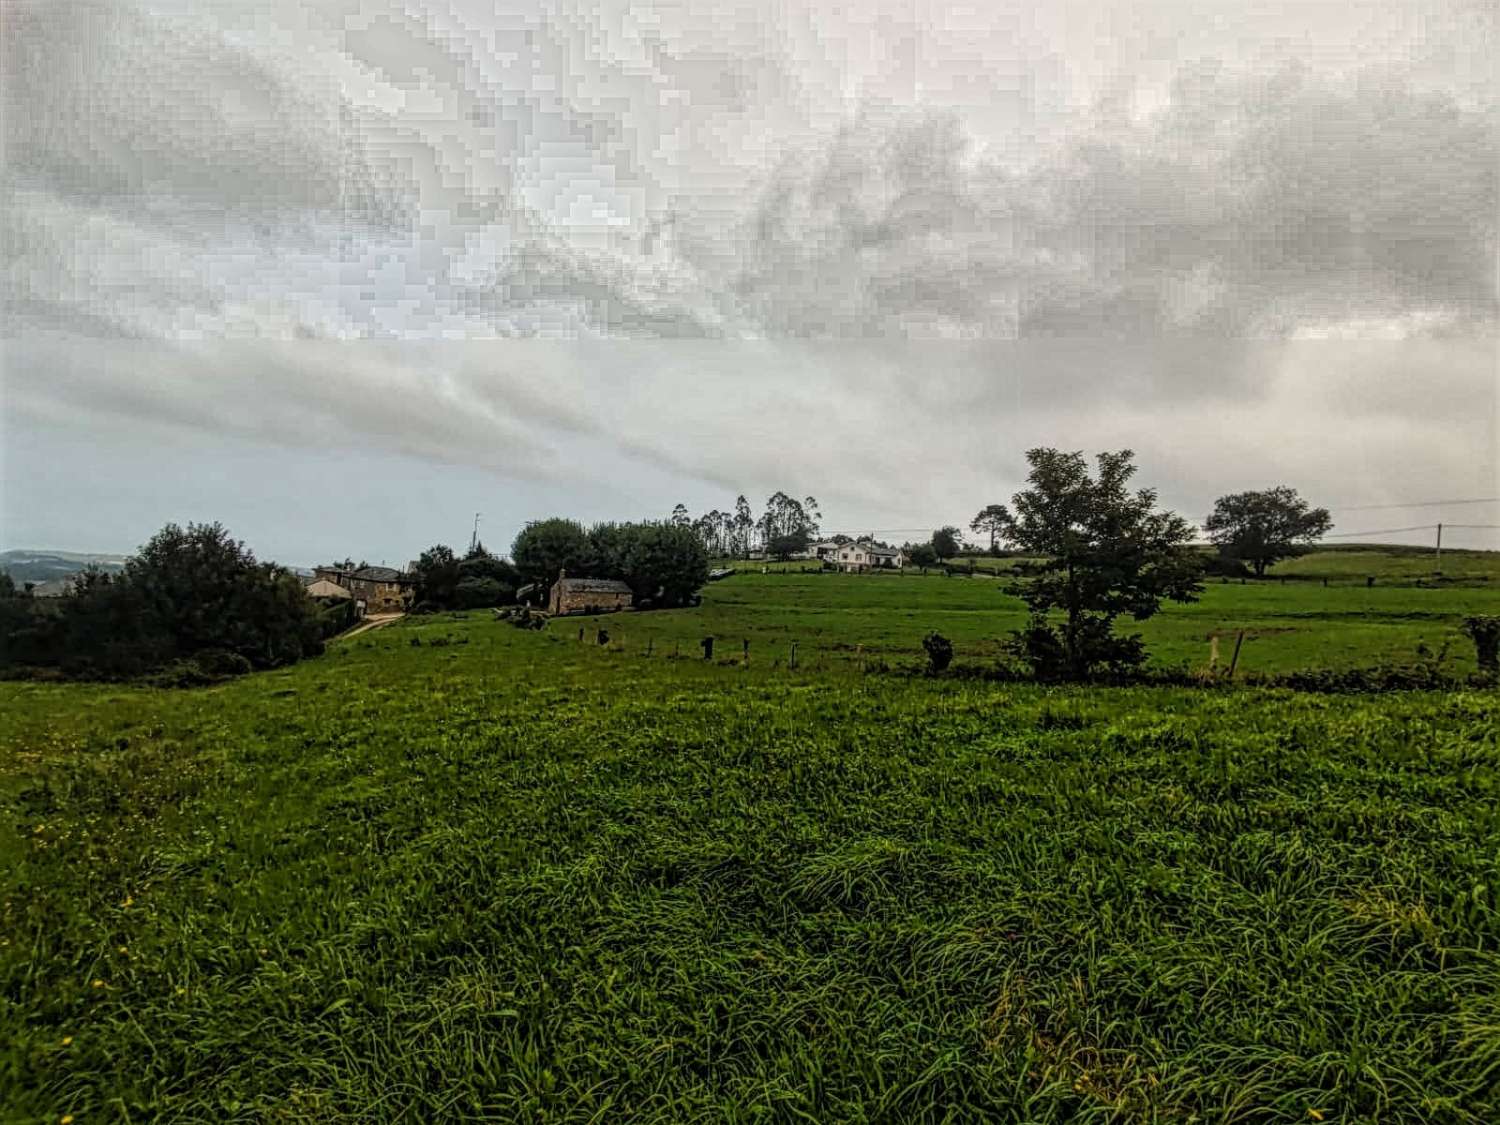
587,595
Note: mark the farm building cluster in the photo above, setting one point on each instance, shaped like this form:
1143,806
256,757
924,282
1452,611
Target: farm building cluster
373,589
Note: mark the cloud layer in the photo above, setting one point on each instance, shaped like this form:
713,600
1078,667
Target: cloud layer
706,240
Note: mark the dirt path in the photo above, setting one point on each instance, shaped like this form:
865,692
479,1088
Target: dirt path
374,621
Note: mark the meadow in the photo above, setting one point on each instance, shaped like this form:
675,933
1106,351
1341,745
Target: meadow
456,871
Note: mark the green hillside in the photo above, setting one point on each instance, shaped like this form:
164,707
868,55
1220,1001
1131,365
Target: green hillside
457,871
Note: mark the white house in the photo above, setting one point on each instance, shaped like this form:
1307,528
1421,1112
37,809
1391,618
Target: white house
867,556
852,556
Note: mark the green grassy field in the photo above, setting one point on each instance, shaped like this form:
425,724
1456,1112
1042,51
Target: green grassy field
509,877
846,618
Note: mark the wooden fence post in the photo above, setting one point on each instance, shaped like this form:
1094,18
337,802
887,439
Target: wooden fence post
745,651
1235,659
793,662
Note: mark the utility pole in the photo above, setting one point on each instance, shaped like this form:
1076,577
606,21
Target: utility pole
474,539
1440,548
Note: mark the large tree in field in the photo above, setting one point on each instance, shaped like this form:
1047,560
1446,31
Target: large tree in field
545,547
1261,528
1104,550
946,542
989,521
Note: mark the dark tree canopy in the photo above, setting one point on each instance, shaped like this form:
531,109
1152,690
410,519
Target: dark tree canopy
1261,528
546,547
190,593
1104,550
921,555
663,564
946,542
436,575
479,579
793,542
990,521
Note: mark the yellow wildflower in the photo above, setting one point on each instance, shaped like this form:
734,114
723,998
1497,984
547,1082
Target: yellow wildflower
65,1119
98,983
67,1039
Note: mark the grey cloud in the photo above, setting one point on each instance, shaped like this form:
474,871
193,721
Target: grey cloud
689,244
1244,208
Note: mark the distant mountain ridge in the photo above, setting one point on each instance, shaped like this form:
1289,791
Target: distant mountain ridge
54,566
49,571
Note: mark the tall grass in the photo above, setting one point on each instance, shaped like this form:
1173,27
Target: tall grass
521,879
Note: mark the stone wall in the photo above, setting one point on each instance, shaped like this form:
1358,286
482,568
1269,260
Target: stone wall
589,602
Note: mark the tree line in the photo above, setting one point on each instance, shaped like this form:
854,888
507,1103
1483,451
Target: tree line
664,564
784,528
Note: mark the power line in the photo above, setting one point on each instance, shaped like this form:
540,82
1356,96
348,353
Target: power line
1413,504
1384,531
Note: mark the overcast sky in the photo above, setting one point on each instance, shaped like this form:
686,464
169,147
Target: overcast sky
342,274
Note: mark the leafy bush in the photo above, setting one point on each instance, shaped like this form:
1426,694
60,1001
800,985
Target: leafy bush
1380,678
482,593
187,591
1222,566
1044,649
221,662
939,652
338,617
1484,631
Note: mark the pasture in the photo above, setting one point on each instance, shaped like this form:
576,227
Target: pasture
498,875
1298,624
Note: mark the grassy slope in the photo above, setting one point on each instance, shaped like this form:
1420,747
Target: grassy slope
523,879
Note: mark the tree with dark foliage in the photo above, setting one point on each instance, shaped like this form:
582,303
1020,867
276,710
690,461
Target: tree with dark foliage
990,520
1104,551
436,575
663,564
545,547
1262,528
946,542
921,555
192,594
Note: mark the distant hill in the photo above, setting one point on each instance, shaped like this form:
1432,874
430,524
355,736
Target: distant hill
50,570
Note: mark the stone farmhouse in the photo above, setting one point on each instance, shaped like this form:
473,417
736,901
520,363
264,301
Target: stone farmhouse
587,595
376,589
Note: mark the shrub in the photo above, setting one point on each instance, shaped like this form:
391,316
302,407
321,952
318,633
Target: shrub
1484,631
1042,648
482,593
939,652
221,662
1222,566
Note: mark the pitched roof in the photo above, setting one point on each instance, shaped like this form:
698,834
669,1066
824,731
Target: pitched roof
322,588
592,586
378,574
